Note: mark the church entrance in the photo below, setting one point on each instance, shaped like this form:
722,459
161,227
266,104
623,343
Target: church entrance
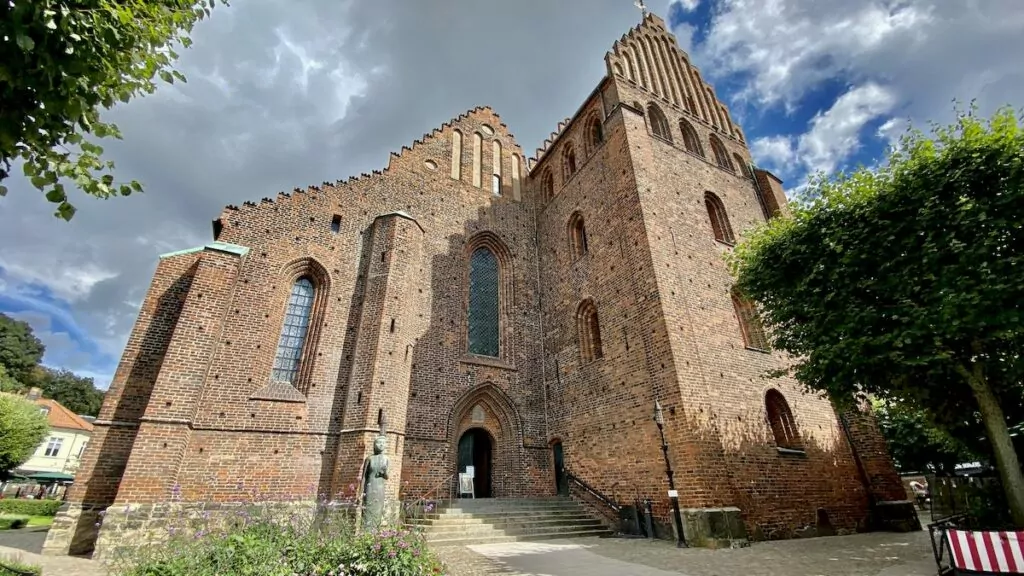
561,481
476,448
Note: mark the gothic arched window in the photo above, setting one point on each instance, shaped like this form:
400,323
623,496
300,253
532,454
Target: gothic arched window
293,331
690,140
589,332
659,124
595,133
750,324
568,162
547,185
780,419
483,303
719,219
721,156
577,235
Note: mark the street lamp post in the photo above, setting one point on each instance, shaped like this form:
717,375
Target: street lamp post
673,495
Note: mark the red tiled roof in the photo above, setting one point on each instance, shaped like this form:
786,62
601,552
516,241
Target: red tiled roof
60,417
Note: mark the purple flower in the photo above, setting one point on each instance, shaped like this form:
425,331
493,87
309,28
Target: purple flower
392,554
97,524
103,513
376,547
403,544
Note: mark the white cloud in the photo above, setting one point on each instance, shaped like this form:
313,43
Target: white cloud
833,135
688,5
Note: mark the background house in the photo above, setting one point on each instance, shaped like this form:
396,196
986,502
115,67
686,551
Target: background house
56,459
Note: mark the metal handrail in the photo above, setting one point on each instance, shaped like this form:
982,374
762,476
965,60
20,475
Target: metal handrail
426,496
593,491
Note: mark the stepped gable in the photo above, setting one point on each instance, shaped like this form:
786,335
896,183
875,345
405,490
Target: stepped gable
649,57
467,122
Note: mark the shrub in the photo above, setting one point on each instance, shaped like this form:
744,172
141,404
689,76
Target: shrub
274,539
12,566
30,507
12,522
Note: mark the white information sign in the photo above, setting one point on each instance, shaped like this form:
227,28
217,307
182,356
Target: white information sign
673,493
471,471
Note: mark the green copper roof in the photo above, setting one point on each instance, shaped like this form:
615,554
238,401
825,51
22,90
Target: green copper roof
218,246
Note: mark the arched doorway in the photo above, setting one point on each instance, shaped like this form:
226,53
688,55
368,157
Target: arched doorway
476,449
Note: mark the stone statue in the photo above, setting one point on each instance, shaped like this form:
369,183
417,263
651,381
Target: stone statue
375,475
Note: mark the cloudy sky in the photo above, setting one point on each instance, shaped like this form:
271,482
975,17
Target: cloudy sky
286,93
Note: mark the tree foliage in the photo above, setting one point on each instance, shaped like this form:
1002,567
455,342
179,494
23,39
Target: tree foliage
61,63
916,444
22,428
76,393
20,350
905,282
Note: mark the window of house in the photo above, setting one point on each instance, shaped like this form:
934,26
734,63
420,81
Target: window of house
568,162
780,419
750,324
690,139
496,184
589,332
577,235
483,303
294,330
659,124
721,156
82,449
53,446
719,219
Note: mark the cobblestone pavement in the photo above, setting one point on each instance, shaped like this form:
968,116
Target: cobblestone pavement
876,554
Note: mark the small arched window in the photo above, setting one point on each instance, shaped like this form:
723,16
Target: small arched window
719,219
743,166
595,133
547,185
568,162
690,139
750,323
780,419
721,156
290,345
589,332
577,236
483,303
659,125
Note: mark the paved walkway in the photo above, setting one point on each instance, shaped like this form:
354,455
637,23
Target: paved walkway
876,554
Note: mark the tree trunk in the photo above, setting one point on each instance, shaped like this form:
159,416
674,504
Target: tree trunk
999,436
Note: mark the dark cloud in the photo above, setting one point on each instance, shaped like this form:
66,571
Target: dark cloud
286,94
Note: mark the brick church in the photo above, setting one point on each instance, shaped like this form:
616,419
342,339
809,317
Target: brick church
518,316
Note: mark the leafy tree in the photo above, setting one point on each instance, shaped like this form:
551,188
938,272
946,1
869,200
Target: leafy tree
76,393
9,384
22,428
906,282
20,350
916,444
61,61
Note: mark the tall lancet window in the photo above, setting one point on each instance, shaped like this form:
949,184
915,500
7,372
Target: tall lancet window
294,330
483,303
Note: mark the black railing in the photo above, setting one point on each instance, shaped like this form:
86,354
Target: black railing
593,491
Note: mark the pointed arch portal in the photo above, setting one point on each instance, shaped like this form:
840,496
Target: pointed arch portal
485,432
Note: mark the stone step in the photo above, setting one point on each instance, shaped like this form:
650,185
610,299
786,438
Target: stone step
539,525
517,538
492,518
512,530
497,512
510,507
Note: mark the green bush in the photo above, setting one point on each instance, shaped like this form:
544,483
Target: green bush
255,542
30,507
12,566
12,522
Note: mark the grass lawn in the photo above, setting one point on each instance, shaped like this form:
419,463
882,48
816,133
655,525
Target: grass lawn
40,520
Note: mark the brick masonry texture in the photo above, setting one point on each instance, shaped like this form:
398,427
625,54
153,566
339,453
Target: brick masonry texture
193,408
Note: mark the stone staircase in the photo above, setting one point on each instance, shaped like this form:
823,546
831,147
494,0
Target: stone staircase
491,520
